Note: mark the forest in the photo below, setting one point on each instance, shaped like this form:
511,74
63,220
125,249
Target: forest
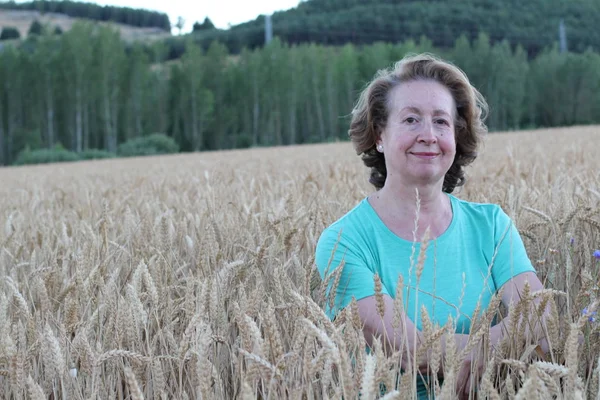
91,11
88,90
533,24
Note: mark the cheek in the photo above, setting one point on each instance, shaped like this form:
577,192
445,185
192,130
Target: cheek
449,143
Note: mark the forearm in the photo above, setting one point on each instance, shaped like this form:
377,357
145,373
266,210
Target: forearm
523,296
534,331
397,333
406,338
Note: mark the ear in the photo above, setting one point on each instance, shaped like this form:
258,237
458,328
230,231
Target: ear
379,145
378,141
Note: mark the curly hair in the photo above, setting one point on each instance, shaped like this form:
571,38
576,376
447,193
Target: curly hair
370,115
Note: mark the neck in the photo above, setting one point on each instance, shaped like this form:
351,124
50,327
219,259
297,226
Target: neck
403,199
434,209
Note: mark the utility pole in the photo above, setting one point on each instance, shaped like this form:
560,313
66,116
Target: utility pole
562,36
268,29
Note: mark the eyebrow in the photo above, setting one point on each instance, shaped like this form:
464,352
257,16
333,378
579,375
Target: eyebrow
418,111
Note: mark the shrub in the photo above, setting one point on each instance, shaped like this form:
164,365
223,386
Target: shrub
154,144
45,156
36,28
24,138
9,32
96,154
243,141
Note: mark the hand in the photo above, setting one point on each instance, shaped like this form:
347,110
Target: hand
469,373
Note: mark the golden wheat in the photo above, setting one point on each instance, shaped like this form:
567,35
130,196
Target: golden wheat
195,275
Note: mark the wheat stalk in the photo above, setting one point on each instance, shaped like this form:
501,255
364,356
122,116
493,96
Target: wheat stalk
134,388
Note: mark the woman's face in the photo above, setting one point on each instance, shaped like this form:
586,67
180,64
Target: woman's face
418,141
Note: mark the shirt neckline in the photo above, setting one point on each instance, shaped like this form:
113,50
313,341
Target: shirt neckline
384,228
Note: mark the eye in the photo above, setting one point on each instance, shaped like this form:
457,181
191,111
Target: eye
410,120
442,122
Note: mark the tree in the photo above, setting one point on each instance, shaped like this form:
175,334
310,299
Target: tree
462,54
581,80
136,86
195,102
215,66
205,26
9,32
547,93
46,57
316,61
346,69
180,24
36,28
77,67
110,62
12,86
3,77
250,62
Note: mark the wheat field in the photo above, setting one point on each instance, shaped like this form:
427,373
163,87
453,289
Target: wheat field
192,276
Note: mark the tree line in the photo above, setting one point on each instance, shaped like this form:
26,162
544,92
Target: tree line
87,90
75,9
36,28
534,24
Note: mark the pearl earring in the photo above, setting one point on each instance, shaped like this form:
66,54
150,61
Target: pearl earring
380,148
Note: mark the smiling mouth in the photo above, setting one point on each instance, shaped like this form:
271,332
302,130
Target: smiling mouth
425,155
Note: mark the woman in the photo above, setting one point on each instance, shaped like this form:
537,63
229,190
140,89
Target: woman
417,126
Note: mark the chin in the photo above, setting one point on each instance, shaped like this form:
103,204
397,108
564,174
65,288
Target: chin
430,177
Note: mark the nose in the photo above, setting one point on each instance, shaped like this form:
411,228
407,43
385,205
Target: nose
427,134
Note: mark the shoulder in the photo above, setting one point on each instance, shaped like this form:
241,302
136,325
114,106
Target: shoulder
476,208
346,234
489,213
485,219
346,228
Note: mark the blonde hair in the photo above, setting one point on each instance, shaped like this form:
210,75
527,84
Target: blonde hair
370,115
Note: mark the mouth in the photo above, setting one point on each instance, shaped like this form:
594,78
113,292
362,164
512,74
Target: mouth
425,155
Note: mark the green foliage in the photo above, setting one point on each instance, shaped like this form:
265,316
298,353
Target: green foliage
154,144
243,141
45,156
88,89
96,154
204,26
123,15
9,32
27,139
533,24
36,28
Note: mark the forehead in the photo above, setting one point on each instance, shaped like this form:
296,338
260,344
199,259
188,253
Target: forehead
425,95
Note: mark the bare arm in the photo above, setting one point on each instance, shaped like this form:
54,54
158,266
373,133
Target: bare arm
406,338
512,294
374,326
513,290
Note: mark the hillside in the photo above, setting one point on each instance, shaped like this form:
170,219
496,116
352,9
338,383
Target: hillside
22,19
533,24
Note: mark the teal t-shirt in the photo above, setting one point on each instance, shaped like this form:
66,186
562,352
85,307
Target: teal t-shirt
479,252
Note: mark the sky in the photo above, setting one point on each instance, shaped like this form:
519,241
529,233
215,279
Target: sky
221,12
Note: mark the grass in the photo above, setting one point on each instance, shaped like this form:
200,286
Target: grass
192,276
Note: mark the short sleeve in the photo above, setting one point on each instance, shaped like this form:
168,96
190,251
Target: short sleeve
334,249
510,257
